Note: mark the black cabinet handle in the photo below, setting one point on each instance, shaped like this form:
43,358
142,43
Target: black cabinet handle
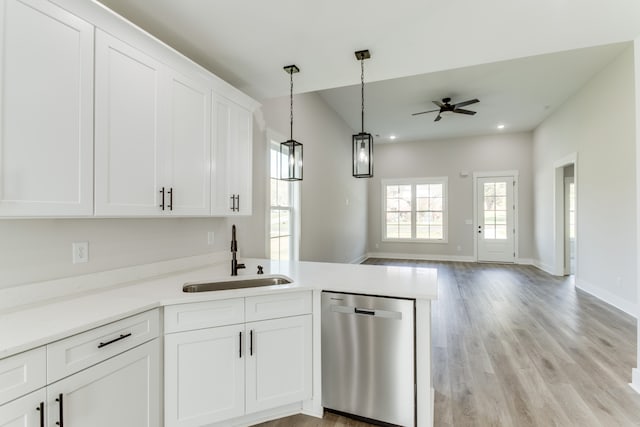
170,199
240,341
238,205
41,409
162,192
251,342
367,312
121,337
60,422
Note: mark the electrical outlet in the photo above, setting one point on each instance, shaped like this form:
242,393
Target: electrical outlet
210,238
80,252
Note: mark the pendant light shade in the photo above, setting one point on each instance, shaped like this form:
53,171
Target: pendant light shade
362,143
291,150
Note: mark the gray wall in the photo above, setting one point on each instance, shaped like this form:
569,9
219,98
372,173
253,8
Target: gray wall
333,204
604,139
448,158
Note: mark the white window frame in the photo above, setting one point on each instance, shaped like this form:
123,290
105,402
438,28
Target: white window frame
273,141
444,180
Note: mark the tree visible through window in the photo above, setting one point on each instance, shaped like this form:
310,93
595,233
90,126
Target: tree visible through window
415,209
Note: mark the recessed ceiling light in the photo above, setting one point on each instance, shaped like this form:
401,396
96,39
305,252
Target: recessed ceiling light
392,137
500,126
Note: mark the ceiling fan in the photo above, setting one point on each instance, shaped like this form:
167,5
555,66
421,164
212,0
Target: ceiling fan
446,107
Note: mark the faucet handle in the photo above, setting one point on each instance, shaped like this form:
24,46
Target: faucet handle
260,269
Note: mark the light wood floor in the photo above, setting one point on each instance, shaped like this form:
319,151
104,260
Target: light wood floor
514,346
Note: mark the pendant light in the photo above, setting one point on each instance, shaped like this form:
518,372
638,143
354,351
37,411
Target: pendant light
362,142
291,150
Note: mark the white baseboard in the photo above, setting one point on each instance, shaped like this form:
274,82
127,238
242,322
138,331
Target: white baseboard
542,266
359,259
635,380
602,294
422,257
525,261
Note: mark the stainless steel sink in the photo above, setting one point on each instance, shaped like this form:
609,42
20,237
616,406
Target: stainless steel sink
234,284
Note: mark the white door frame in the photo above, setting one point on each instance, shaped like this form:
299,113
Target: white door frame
567,241
558,213
516,179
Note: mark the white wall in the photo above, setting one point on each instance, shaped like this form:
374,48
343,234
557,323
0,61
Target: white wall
332,229
597,123
635,381
448,158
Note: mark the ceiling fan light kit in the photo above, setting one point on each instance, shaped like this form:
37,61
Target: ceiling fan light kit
291,169
446,108
362,143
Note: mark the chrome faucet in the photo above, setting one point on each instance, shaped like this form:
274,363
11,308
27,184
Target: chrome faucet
234,248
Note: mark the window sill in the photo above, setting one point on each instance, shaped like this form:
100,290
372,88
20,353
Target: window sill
442,241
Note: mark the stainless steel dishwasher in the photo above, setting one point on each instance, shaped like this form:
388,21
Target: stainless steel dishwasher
368,357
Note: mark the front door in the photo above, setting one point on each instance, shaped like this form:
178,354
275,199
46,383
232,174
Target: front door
495,215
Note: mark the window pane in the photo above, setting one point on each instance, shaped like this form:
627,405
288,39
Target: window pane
501,188
501,217
274,191
489,189
501,232
283,193
274,230
284,248
436,218
405,218
422,190
422,204
436,232
404,231
435,204
392,231
489,203
490,232
501,203
435,190
422,218
404,205
422,231
489,218
393,218
275,248
392,205
392,191
405,192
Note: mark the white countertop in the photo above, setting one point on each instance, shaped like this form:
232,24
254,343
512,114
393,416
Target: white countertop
47,322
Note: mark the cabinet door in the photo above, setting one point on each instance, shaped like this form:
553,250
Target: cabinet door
46,111
232,159
127,141
279,364
123,391
28,411
204,376
189,143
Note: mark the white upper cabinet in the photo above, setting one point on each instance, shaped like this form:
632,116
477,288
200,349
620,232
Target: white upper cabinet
46,111
128,152
153,135
189,143
233,139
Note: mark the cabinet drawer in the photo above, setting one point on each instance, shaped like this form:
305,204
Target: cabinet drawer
278,305
200,315
22,373
88,348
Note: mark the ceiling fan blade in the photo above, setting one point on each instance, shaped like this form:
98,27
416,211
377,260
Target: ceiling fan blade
465,103
461,111
424,112
438,118
438,103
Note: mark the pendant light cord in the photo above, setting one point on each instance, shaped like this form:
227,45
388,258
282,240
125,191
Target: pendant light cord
291,105
362,91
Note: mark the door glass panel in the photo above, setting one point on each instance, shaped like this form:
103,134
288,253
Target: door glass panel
495,210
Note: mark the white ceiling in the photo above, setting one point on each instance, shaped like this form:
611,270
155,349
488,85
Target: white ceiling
247,42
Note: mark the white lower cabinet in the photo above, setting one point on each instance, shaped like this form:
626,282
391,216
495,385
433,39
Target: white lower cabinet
219,373
27,411
123,391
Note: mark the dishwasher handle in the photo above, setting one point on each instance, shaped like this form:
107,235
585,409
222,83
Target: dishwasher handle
368,312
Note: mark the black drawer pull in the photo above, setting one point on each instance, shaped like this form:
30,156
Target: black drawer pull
367,312
60,422
240,352
251,342
121,337
41,409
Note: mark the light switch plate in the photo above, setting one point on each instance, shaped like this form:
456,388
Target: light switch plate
80,252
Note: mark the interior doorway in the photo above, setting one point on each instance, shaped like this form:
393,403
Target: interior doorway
566,216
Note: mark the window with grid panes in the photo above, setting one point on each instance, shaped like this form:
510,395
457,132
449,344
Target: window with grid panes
415,209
